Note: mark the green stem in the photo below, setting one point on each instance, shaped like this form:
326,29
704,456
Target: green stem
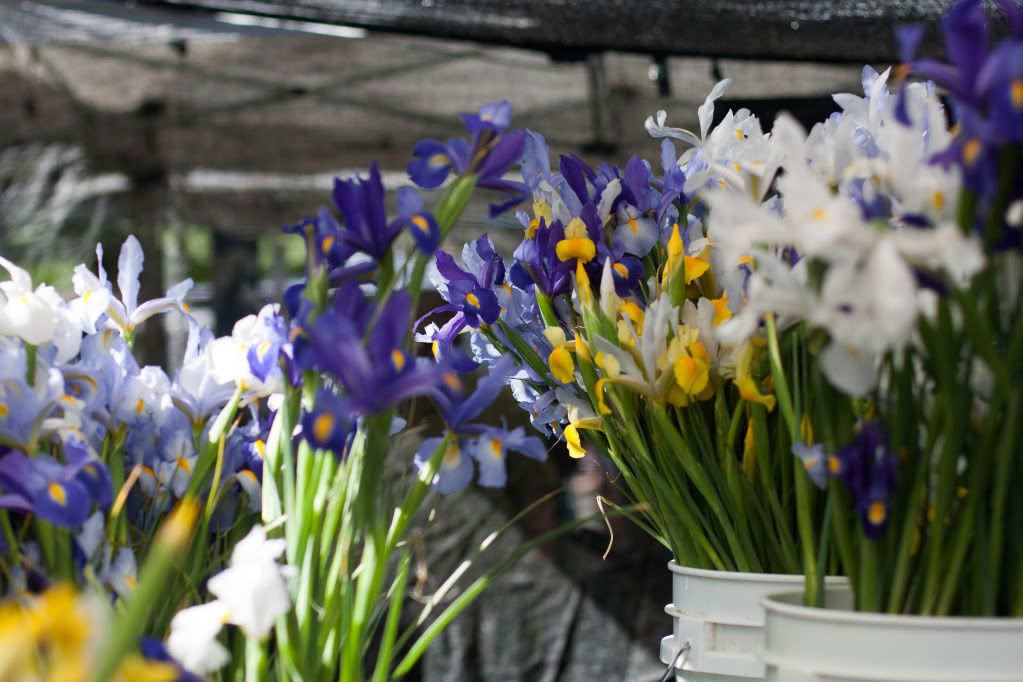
390,631
547,313
804,520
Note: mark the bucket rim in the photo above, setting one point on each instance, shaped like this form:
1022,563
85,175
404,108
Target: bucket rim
782,603
739,576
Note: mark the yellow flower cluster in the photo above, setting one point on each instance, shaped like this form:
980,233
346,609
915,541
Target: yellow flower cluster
57,636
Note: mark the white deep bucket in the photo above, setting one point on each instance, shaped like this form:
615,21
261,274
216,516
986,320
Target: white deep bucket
719,614
837,644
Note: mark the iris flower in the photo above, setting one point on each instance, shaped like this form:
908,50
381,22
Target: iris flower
327,425
125,314
490,152
375,370
195,390
869,468
470,292
62,494
487,445
537,263
636,229
987,85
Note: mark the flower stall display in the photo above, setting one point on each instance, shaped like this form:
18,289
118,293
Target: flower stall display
927,296
796,353
795,350
237,516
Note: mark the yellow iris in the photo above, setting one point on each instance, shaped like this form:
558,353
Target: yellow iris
582,285
562,365
748,391
574,442
560,360
721,311
676,250
602,407
692,372
748,388
577,243
694,267
691,375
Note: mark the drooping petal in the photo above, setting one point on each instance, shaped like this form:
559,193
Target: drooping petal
425,231
490,453
487,390
849,369
637,235
430,165
455,470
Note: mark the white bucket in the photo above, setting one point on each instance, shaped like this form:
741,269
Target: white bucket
719,614
837,644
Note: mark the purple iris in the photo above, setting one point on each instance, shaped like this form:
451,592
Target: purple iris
987,85
537,262
576,174
325,246
366,229
487,445
327,426
421,224
469,292
62,494
626,270
490,153
370,363
868,468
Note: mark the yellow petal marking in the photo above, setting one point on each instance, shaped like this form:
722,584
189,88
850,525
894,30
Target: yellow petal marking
323,426
421,223
398,359
57,493
877,512
971,151
1016,94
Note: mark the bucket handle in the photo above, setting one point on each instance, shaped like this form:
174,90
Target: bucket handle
677,662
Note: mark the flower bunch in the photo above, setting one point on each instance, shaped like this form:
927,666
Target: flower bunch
606,325
795,349
907,287
257,473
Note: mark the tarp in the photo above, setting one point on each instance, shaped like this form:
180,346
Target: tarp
808,30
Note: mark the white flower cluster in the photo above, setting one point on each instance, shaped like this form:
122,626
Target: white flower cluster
859,211
251,593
